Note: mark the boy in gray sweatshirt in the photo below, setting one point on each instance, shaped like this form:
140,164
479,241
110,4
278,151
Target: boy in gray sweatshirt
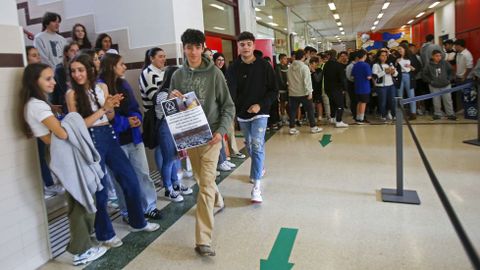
438,73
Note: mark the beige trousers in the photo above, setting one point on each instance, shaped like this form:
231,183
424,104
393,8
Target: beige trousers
204,161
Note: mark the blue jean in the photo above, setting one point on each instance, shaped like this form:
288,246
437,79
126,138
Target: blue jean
113,156
138,158
44,169
386,99
169,155
410,91
254,133
223,155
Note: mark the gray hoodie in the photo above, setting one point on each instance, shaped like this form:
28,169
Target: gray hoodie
210,87
76,162
438,75
299,79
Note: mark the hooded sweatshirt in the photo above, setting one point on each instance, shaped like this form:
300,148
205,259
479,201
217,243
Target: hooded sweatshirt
208,83
438,75
299,80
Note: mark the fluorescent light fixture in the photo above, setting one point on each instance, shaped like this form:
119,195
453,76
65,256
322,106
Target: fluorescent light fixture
380,16
270,16
336,36
375,22
336,16
273,24
339,23
285,29
332,6
217,6
219,28
420,14
409,22
373,27
434,4
385,6
341,28
314,38
257,9
258,18
294,33
343,33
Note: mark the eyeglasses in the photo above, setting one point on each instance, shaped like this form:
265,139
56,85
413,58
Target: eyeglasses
220,59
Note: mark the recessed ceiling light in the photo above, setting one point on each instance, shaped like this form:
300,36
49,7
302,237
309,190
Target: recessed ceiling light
217,6
375,22
285,29
336,36
434,4
403,26
336,16
294,33
332,6
385,6
409,22
380,16
339,23
314,38
270,16
273,24
341,28
257,9
258,18
420,14
219,28
343,33
373,27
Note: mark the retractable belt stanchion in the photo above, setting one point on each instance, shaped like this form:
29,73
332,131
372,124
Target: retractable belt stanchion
477,140
399,195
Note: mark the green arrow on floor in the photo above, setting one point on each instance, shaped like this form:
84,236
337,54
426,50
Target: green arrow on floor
326,139
278,258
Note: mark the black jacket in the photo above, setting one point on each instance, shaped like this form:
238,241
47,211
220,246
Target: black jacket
334,77
260,87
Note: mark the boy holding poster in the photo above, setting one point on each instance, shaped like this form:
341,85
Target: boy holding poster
199,74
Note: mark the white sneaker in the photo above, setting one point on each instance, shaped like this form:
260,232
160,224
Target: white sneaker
256,195
341,124
88,256
150,227
114,242
315,129
54,189
224,167
320,119
217,173
184,190
187,174
173,195
238,155
230,164
389,116
293,131
332,120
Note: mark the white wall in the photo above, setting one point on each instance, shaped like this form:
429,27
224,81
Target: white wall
247,16
444,19
6,15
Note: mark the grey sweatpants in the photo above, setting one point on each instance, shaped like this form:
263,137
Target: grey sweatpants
447,101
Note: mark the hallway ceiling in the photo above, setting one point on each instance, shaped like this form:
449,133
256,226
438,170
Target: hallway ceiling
355,15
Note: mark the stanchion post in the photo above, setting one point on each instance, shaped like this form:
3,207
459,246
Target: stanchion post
476,141
399,195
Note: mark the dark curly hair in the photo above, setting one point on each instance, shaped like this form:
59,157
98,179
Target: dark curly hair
98,42
81,98
193,36
246,36
49,17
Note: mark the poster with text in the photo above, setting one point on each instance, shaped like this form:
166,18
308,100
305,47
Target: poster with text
187,121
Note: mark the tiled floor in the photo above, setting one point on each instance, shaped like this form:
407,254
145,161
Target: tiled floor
330,194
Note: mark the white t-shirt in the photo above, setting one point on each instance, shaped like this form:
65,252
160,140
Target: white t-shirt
404,63
464,61
93,104
35,112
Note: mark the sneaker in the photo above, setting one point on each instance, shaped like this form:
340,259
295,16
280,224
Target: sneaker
332,120
452,117
125,220
204,250
315,129
182,189
389,116
173,195
150,227
217,174
218,207
297,122
187,174
383,119
113,242
154,214
224,167
54,189
341,124
293,131
256,195
238,155
88,256
320,119
436,117
360,122
230,164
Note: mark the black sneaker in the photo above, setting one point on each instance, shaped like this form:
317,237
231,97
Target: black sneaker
184,190
125,219
452,117
436,117
154,214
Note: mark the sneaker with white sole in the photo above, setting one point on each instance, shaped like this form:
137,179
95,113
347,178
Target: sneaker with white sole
230,164
113,242
238,155
184,190
217,173
89,256
389,116
173,195
315,129
341,124
332,120
187,174
293,131
256,195
224,167
54,189
150,227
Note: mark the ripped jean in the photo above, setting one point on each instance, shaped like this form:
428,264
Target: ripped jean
254,133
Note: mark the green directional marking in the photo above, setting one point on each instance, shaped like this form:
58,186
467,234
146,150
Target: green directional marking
278,258
326,139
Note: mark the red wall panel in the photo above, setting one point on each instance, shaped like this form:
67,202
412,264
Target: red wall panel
467,24
422,28
214,43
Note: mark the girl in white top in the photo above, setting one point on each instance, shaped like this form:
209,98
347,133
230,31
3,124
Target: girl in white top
407,79
384,84
39,121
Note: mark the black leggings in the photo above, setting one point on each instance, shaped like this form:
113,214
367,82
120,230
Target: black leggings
336,104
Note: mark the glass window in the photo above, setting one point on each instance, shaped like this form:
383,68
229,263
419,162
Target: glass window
218,17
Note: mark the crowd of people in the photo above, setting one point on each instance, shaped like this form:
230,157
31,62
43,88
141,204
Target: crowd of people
87,121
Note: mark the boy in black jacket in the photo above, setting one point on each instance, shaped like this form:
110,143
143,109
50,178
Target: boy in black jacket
253,88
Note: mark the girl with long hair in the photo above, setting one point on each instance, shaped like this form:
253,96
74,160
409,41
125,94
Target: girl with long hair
94,104
39,121
104,42
79,35
128,120
408,78
69,52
